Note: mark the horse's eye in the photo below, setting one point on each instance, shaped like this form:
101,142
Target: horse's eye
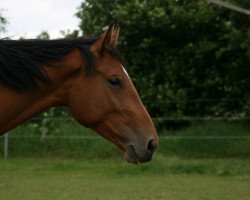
115,82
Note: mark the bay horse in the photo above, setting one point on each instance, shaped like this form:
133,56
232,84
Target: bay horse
84,74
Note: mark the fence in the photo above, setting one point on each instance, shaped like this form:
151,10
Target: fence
65,133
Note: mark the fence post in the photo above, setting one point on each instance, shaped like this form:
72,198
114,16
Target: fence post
6,145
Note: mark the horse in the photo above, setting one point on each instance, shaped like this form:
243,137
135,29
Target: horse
85,74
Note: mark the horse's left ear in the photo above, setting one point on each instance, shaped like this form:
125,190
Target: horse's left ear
107,39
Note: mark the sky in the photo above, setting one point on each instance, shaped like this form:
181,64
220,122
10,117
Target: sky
28,18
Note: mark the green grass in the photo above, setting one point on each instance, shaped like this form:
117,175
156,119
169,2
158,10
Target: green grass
62,140
210,139
162,179
64,168
74,168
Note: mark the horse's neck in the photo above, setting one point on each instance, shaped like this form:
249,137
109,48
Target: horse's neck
16,107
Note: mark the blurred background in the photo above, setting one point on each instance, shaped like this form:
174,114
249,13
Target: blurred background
190,62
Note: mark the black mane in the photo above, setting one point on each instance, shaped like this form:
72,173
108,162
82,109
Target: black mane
22,61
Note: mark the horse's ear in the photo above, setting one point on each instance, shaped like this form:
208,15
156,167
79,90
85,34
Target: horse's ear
107,39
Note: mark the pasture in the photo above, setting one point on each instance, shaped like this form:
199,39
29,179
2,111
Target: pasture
202,162
164,178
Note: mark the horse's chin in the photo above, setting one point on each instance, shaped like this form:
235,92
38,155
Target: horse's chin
131,156
131,159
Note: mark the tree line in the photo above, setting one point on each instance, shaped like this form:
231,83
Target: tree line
186,57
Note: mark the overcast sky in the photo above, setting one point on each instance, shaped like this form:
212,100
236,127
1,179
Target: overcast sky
28,18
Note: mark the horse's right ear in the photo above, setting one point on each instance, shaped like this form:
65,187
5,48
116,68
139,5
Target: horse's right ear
108,38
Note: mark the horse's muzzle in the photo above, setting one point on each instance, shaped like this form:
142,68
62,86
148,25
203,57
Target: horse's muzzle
137,154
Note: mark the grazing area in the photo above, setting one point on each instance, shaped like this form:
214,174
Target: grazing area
165,178
206,160
65,138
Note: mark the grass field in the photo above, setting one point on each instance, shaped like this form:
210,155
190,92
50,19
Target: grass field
186,166
112,179
196,141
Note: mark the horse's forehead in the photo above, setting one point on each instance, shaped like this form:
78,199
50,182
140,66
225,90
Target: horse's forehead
110,66
116,69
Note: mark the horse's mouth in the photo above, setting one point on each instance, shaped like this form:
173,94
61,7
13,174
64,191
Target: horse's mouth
136,155
131,156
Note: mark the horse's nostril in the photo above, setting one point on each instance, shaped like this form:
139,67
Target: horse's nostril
151,146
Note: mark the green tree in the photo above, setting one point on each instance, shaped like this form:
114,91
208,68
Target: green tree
186,57
44,35
3,22
70,34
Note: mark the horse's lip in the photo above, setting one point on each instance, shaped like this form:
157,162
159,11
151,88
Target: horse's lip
131,156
